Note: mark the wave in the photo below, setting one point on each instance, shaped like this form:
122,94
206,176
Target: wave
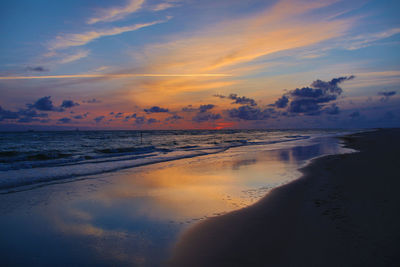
29,160
8,154
110,160
47,174
136,150
12,156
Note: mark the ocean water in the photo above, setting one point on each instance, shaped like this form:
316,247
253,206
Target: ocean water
29,158
119,199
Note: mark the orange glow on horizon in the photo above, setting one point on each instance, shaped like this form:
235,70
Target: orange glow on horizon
223,125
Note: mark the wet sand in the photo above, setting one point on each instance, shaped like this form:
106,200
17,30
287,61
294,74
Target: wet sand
344,211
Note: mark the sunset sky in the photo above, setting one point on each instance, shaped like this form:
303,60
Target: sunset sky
191,64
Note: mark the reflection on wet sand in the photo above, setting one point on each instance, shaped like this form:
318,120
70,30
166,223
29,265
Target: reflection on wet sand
135,216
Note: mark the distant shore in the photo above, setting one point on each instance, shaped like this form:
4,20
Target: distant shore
344,211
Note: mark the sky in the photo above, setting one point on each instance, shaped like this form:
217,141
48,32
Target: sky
199,64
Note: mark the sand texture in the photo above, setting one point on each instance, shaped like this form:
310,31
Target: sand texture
344,211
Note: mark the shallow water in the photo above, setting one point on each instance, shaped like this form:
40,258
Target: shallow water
134,216
29,158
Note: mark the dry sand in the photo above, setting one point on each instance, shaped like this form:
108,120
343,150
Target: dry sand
344,211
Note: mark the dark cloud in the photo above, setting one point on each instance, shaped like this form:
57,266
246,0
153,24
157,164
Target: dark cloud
80,117
91,101
118,115
332,110
331,86
204,108
69,104
391,93
23,115
37,68
98,119
310,93
29,115
130,117
242,100
306,106
386,95
200,109
220,96
312,100
174,117
27,119
203,113
250,113
64,120
33,113
8,114
189,108
152,120
155,109
44,104
140,120
282,102
206,116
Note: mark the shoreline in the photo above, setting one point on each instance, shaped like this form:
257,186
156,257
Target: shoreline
339,213
73,172
10,185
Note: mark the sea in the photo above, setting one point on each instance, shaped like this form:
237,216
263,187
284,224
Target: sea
125,198
31,158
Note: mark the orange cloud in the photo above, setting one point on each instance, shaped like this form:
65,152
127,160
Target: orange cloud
232,47
176,91
285,26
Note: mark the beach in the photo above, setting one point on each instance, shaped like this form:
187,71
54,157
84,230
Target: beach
200,133
134,216
343,211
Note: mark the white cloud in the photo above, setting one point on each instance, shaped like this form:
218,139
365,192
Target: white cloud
163,6
366,40
79,39
117,13
74,57
101,68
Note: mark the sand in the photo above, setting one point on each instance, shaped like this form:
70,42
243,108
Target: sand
344,211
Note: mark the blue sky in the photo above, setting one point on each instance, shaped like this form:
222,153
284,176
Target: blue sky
124,57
